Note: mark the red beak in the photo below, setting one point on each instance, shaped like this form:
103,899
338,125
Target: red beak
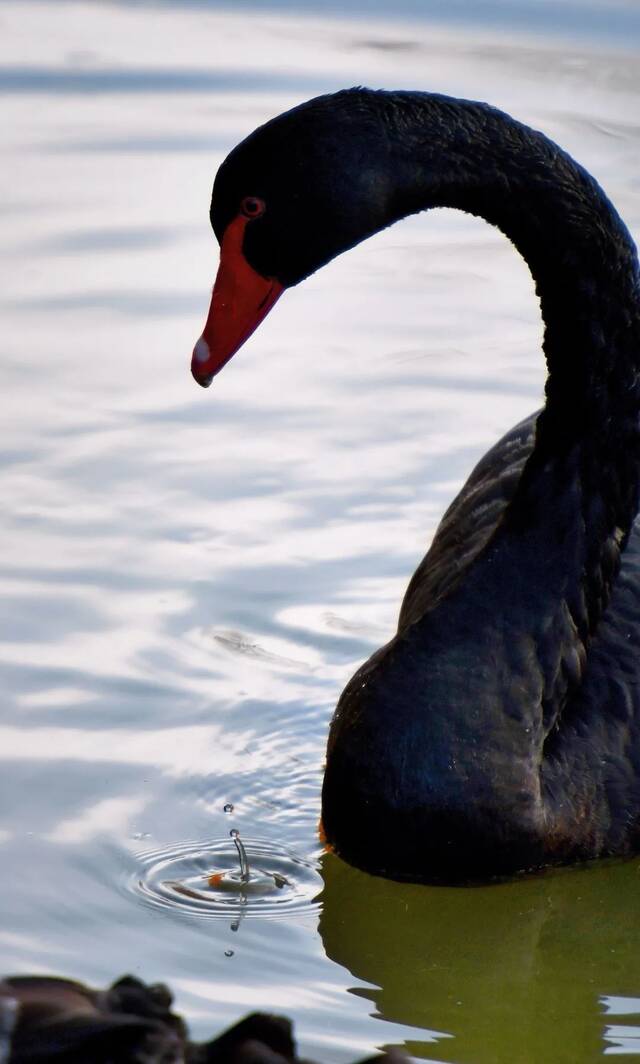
241,299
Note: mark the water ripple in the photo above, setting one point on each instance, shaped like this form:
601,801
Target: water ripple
204,879
42,79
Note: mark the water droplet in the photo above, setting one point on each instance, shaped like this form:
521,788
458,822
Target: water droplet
235,925
214,879
245,871
228,953
228,808
137,835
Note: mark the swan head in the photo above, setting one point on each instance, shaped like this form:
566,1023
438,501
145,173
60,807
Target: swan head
299,191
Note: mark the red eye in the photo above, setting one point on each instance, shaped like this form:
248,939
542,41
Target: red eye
252,207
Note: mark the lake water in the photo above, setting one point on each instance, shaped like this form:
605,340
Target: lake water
190,577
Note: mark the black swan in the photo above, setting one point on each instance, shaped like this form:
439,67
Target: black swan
499,730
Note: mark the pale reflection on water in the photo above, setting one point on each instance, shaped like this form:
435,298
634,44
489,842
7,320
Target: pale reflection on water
189,578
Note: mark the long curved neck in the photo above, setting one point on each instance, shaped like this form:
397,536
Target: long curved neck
580,253
470,156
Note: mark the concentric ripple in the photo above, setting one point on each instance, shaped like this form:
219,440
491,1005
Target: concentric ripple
208,879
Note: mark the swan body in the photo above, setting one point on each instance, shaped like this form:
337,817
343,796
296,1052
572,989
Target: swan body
499,730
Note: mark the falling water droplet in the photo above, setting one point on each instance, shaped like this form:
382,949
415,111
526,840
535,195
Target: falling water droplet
228,808
228,953
245,871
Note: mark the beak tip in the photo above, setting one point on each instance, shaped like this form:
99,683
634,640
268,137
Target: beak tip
203,379
204,382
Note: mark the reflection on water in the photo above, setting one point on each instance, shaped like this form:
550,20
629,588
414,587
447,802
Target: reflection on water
515,971
619,20
189,579
622,1038
29,80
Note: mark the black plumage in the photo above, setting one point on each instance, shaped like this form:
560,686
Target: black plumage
499,730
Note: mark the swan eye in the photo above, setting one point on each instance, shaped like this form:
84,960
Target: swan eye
252,207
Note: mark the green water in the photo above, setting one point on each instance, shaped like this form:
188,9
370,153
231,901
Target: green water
516,972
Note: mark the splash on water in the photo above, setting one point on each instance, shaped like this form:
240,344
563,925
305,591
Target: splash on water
228,878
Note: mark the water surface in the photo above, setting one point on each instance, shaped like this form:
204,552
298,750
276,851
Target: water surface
189,578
